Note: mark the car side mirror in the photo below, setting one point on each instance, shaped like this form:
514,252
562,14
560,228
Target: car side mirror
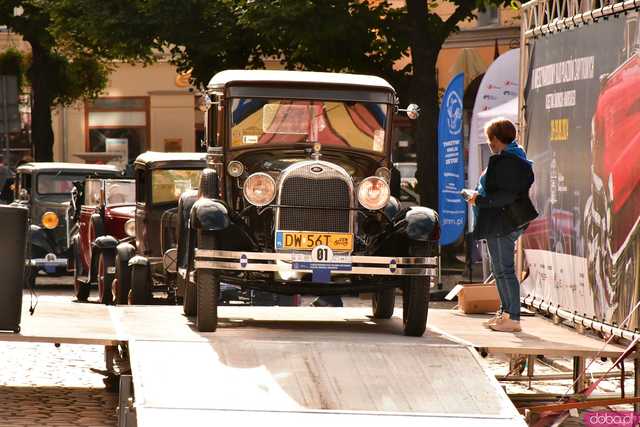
412,110
23,195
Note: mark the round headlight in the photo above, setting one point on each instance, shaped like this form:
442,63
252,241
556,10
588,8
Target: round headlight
235,168
130,228
50,220
259,189
384,173
373,193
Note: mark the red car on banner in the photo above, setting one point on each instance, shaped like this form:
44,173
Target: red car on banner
613,210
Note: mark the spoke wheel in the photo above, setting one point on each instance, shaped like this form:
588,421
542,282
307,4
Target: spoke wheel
105,279
80,289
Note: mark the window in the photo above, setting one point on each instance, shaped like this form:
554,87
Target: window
141,186
52,183
118,125
92,192
359,125
169,184
488,17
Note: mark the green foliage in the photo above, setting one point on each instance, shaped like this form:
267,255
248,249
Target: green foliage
82,77
71,71
13,62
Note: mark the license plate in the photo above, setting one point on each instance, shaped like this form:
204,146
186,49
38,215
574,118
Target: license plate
306,241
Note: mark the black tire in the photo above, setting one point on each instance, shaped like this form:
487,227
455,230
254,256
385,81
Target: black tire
208,288
80,289
189,301
140,293
123,281
415,299
104,278
382,303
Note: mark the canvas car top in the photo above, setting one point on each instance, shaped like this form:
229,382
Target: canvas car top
156,159
221,79
61,166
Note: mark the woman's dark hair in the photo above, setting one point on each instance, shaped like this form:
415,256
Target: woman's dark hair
502,129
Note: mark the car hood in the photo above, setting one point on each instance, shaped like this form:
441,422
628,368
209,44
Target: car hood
123,211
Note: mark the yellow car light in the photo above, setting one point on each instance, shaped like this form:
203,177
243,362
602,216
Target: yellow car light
50,220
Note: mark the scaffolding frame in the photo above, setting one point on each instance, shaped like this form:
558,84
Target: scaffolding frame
537,19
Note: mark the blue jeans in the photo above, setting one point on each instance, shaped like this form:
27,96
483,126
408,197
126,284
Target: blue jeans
501,251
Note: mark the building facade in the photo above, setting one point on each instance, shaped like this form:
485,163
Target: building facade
142,108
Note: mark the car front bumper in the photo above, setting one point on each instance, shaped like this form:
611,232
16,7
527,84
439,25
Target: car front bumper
295,262
48,265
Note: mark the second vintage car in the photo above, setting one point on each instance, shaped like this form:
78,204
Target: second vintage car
296,196
103,212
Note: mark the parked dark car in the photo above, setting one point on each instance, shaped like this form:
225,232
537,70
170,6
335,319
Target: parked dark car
147,264
103,215
45,188
296,199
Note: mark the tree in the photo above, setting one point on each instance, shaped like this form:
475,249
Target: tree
369,37
428,32
56,73
201,36
356,36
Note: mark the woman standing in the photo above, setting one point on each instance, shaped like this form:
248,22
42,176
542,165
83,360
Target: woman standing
506,180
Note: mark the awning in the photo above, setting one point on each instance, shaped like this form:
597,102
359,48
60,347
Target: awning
470,63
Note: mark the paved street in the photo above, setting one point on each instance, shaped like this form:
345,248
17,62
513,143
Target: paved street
44,385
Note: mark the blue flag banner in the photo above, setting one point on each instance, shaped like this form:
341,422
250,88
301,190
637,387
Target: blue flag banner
452,208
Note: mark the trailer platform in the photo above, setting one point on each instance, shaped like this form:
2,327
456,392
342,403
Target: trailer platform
304,364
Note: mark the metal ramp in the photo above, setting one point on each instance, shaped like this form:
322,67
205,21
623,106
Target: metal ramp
289,365
263,365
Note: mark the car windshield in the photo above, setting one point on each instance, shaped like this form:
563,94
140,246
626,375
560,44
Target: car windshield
120,192
359,125
168,184
52,183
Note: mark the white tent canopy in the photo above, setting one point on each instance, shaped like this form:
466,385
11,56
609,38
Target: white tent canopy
497,97
508,110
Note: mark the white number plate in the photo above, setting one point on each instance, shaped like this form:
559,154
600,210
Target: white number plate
321,257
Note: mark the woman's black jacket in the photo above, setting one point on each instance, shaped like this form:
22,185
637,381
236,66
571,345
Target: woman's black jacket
508,177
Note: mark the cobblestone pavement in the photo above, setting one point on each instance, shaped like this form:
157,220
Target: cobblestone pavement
42,385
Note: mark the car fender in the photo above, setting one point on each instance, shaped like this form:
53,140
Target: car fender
125,251
392,208
38,237
185,204
422,224
138,260
100,245
209,215
105,242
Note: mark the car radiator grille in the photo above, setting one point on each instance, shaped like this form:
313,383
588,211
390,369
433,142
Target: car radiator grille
319,201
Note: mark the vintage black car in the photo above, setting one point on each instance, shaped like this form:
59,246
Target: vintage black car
46,189
296,198
148,263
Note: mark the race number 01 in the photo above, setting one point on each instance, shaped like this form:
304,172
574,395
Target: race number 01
322,253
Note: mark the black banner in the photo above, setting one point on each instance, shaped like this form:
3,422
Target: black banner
583,133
